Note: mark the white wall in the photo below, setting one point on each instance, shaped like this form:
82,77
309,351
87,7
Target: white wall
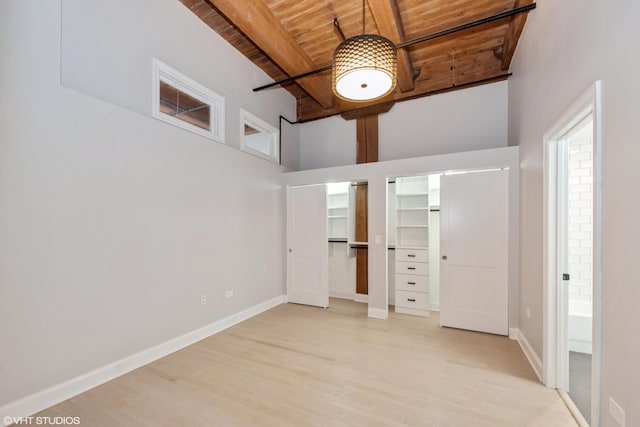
106,52
565,48
113,224
342,271
464,120
453,122
327,142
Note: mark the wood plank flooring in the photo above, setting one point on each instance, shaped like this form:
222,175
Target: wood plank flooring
303,366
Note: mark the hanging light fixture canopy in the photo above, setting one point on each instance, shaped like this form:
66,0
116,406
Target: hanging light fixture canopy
364,68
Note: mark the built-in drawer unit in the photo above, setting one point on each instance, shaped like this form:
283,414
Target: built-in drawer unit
416,303
412,255
418,268
408,282
412,245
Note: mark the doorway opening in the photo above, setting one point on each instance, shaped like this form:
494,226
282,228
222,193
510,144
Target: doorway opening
347,240
572,258
579,263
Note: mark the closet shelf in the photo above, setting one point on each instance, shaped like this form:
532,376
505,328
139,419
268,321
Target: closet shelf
411,247
413,209
358,244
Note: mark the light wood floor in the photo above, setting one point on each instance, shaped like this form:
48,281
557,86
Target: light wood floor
303,366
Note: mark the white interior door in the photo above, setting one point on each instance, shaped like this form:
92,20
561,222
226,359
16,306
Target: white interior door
307,246
474,251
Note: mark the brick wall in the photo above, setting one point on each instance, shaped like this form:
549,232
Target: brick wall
580,219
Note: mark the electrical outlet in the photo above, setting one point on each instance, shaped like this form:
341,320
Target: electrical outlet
203,299
617,412
228,294
527,312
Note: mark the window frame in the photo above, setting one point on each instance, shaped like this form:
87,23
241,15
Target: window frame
246,118
165,73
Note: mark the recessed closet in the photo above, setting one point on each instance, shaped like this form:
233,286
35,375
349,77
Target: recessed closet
440,236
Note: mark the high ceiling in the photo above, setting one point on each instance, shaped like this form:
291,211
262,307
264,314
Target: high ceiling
289,37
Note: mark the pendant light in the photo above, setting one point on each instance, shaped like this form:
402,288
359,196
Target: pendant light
364,67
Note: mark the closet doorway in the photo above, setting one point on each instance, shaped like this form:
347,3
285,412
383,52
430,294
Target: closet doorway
347,218
439,228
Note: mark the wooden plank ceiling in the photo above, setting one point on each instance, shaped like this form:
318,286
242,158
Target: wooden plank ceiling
289,37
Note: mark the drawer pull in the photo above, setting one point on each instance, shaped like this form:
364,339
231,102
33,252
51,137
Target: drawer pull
411,283
411,299
411,268
411,255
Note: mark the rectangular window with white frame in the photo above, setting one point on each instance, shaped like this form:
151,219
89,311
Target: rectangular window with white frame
258,137
185,103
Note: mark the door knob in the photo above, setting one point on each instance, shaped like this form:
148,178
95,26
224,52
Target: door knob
444,257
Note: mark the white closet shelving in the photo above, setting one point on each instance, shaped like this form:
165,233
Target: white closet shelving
338,211
412,245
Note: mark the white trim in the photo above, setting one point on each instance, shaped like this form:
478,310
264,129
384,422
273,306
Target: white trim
549,200
562,261
596,360
44,399
529,352
361,298
342,295
513,333
571,406
435,307
378,313
173,77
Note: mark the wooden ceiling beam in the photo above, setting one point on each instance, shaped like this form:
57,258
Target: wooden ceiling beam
368,111
387,17
260,25
352,110
516,25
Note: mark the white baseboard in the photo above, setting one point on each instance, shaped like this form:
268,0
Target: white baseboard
44,399
513,333
342,295
378,313
361,298
435,307
528,351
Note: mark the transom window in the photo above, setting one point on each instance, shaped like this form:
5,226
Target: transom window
185,103
258,137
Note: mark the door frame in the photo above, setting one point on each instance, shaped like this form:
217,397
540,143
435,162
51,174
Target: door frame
591,100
